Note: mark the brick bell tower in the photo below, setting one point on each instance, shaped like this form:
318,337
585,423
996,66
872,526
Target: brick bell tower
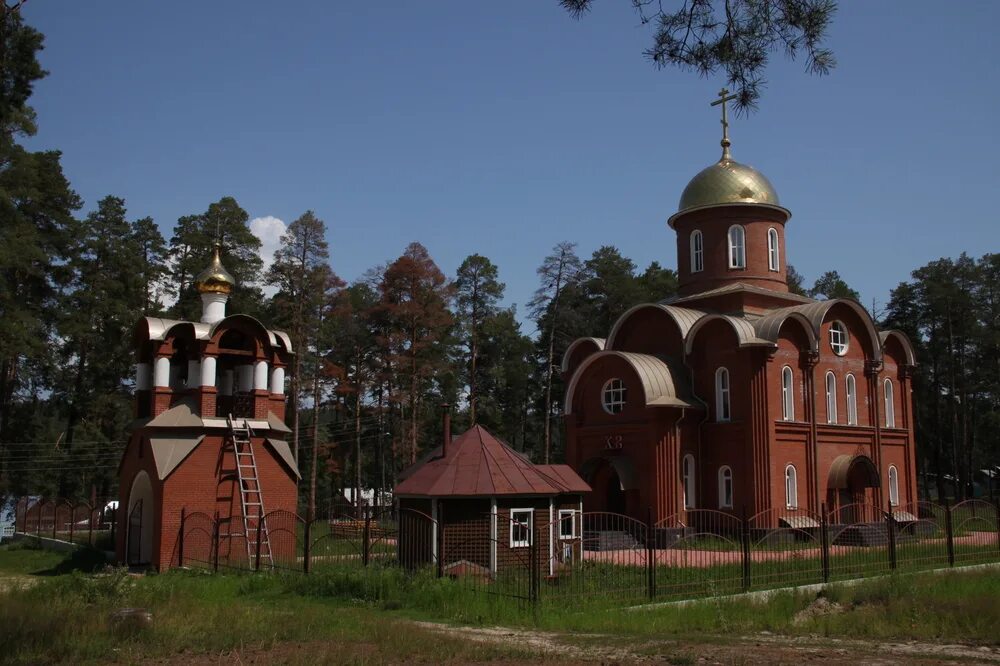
209,442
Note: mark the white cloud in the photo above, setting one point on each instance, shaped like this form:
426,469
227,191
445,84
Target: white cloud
269,230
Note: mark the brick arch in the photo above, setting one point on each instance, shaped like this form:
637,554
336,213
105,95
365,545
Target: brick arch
655,379
653,328
578,351
745,334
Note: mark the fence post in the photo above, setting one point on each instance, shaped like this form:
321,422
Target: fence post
260,533
440,538
114,525
366,549
996,511
890,531
307,548
38,529
650,553
533,564
72,521
824,542
216,539
180,539
745,539
90,527
55,519
950,535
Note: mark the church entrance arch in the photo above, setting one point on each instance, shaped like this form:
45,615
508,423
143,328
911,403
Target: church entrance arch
139,541
613,479
851,485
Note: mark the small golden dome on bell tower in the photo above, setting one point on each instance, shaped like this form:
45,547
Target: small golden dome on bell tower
215,279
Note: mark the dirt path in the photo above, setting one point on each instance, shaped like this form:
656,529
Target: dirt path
761,648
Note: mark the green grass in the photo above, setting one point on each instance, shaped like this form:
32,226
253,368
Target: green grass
349,614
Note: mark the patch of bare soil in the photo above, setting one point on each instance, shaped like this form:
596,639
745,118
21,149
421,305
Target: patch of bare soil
759,649
16,582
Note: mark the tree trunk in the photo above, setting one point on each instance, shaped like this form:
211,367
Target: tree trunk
315,449
548,369
357,419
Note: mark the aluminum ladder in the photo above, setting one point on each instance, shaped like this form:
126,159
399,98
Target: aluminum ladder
251,497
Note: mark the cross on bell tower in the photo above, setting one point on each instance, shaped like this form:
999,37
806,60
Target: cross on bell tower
724,97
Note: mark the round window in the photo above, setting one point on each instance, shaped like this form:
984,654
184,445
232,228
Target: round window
613,396
838,338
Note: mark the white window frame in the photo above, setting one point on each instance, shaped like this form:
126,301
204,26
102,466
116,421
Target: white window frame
726,474
787,394
773,260
890,404
522,543
697,251
737,236
852,400
791,487
613,396
563,514
687,469
840,339
893,486
723,405
831,397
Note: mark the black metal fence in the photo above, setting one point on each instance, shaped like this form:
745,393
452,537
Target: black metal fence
78,521
580,558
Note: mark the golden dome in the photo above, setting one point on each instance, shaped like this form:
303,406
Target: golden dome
728,182
215,279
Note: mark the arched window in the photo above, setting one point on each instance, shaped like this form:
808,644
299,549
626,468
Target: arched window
772,249
787,394
737,247
725,487
791,488
852,401
697,252
890,405
893,486
831,398
689,481
722,395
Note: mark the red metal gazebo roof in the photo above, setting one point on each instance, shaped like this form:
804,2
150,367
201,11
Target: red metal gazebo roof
477,464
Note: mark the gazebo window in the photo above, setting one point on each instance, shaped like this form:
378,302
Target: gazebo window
737,247
567,523
521,527
852,401
688,481
772,249
722,407
791,488
831,398
787,394
893,486
613,396
697,252
890,406
725,487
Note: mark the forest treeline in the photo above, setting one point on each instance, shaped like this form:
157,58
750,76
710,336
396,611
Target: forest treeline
376,356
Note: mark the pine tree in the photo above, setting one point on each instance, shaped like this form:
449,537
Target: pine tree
477,292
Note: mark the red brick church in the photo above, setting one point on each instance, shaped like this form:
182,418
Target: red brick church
738,394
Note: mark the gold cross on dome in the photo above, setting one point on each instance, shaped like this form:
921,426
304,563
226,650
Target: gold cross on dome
724,97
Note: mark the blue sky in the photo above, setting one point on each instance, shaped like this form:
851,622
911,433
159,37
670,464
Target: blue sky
505,127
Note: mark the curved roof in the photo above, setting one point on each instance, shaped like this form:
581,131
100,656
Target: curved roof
841,467
769,326
598,342
685,318
728,182
816,314
904,339
659,386
745,333
242,317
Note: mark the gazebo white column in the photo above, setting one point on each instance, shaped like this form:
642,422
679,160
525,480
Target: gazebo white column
208,370
260,376
161,372
278,381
